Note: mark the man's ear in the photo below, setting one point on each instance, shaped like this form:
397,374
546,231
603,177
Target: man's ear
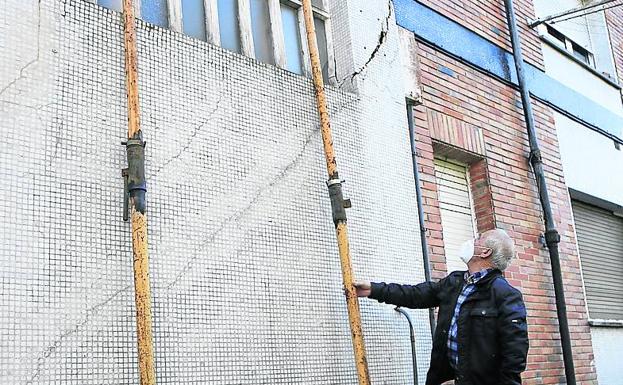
486,253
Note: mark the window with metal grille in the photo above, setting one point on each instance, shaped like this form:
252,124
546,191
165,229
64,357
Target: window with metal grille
565,43
271,31
455,205
600,242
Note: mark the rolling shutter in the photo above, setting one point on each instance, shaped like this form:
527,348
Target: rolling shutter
455,204
600,240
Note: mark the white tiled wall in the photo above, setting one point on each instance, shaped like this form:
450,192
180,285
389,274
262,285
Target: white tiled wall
244,265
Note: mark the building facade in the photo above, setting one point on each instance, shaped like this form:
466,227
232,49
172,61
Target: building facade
589,158
245,274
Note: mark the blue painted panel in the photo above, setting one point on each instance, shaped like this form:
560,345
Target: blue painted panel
454,38
446,70
458,41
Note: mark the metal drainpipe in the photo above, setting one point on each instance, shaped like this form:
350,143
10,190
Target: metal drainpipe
412,334
552,238
420,209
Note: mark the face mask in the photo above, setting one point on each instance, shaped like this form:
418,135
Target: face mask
467,251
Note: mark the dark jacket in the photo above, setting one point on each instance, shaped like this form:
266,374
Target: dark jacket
492,331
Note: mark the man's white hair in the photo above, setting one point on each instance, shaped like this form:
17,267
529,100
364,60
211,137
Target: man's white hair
502,246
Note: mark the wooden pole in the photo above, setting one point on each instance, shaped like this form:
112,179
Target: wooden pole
131,68
137,205
337,202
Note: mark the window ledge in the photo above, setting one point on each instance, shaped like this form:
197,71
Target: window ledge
606,323
552,43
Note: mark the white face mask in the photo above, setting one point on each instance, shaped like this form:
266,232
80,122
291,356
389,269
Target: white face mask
467,251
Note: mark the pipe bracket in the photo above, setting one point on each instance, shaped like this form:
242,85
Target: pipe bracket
126,195
134,176
338,203
535,156
552,236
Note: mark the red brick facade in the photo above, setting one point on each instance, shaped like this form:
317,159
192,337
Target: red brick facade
614,18
505,196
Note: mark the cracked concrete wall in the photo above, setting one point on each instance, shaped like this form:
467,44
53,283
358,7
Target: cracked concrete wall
245,272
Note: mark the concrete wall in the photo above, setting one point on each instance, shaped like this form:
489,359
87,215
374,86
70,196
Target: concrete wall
573,75
245,273
607,343
589,160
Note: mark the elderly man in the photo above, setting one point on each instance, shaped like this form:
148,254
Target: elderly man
481,336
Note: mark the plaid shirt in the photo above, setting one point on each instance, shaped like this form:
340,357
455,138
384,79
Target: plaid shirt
468,289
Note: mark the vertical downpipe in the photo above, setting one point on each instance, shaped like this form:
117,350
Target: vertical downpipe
420,208
412,336
552,238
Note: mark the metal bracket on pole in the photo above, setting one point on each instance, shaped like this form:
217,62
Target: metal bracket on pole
339,204
126,195
135,184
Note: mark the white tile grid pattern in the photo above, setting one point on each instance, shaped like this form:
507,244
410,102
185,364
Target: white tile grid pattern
244,265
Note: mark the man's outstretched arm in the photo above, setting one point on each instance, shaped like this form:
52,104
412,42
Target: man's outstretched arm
422,296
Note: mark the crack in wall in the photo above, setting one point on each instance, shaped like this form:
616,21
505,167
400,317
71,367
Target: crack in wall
58,140
381,40
59,341
33,61
347,104
190,139
36,107
238,214
52,348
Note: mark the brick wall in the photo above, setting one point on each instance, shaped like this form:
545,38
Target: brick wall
506,196
488,19
481,195
614,18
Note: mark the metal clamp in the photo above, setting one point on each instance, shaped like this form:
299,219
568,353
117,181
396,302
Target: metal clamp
134,182
552,237
339,204
331,182
535,156
126,195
